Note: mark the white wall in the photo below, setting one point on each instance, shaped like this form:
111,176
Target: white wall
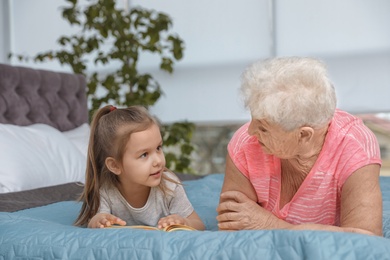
4,31
332,27
35,27
223,37
218,31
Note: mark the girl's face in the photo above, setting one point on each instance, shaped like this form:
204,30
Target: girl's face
143,160
274,140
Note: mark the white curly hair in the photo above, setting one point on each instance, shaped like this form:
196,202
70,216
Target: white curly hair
289,91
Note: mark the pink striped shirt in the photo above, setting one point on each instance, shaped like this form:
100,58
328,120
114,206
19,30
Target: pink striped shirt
349,145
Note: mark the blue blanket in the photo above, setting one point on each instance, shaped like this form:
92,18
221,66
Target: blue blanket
47,233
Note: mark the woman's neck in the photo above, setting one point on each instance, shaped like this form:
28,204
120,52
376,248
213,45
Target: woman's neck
310,151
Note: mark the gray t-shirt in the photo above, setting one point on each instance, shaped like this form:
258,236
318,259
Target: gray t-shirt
157,206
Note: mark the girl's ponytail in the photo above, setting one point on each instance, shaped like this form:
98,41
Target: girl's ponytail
91,196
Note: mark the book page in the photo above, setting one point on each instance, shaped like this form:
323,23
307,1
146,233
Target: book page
170,228
178,227
135,227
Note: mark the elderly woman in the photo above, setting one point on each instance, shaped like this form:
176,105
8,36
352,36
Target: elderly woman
300,163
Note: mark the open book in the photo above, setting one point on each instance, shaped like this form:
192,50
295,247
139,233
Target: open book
170,228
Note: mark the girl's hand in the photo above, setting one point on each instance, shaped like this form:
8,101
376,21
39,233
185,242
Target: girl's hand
102,220
170,220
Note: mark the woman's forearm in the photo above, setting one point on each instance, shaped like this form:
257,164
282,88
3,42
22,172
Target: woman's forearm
277,223
332,228
272,222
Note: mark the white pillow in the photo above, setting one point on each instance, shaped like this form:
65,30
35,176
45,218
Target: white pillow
37,156
79,137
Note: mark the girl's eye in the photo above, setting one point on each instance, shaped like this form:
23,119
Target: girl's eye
144,155
159,148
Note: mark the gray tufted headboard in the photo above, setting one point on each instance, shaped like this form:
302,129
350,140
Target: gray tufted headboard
29,96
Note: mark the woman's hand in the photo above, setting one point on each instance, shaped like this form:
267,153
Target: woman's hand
236,212
238,208
102,220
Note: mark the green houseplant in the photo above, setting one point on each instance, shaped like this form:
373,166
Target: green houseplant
114,38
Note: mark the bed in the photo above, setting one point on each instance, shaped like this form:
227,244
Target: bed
43,137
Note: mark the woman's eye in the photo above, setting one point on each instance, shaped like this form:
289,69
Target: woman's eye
263,129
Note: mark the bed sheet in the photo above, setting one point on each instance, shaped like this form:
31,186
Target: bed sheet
47,233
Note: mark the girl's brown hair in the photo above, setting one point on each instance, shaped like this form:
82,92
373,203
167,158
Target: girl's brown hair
111,128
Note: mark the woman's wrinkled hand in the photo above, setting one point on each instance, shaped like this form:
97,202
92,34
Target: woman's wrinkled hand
237,212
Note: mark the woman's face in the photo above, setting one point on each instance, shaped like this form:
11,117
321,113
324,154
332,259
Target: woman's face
274,140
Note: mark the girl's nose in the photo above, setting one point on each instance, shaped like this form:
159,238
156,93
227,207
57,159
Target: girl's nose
158,159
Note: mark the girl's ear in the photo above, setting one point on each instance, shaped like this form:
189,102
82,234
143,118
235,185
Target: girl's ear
113,166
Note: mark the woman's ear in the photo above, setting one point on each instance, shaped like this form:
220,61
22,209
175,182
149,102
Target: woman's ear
306,133
113,166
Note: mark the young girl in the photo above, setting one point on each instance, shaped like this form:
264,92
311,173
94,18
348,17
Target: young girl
127,182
